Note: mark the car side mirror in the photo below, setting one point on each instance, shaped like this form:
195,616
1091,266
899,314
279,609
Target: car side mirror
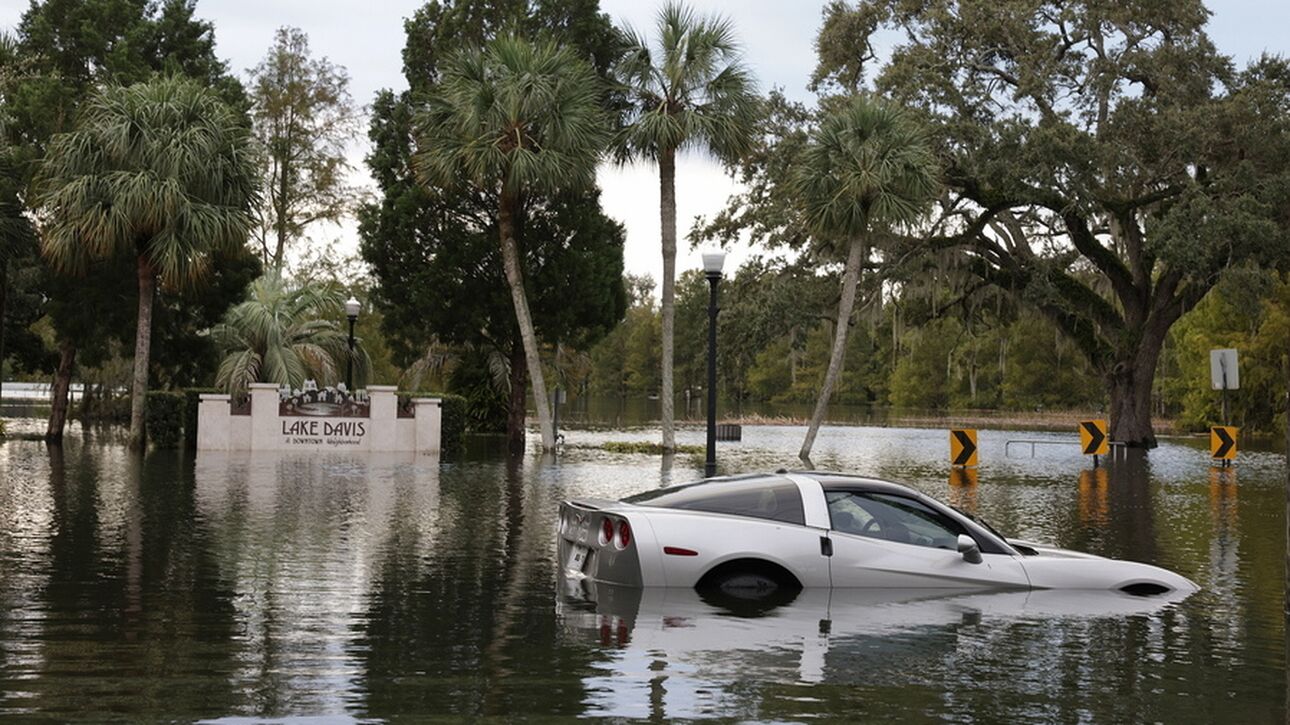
969,549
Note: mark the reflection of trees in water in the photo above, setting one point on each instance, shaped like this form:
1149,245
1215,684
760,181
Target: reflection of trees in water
131,608
1110,510
1131,526
467,627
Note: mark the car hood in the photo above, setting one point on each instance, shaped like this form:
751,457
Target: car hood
1049,567
1049,550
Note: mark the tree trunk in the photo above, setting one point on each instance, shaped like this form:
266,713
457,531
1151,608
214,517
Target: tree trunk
1130,383
667,302
850,280
142,352
58,396
280,213
517,407
515,279
1286,606
87,401
4,298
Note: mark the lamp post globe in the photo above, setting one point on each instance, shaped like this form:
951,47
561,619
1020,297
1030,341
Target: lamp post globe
352,307
712,264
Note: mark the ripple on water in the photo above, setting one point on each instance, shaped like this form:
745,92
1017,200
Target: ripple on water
231,588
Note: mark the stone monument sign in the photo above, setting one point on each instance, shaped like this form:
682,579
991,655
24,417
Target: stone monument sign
313,418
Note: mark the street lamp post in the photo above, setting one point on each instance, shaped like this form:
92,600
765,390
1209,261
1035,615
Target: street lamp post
712,262
351,311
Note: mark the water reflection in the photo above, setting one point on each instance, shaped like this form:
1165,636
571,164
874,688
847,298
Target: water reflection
394,587
301,539
674,652
962,493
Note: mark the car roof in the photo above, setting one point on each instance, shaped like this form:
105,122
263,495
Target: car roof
829,480
833,481
754,479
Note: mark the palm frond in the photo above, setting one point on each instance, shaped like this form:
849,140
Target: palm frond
161,168
514,114
867,166
691,90
284,333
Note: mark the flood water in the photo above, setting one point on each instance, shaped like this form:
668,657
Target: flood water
244,587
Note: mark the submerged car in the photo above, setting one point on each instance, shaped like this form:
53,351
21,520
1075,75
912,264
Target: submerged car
763,534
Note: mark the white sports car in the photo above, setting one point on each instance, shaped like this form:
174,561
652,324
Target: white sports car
754,536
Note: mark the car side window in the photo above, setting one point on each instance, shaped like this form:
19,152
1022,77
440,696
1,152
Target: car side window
893,518
756,499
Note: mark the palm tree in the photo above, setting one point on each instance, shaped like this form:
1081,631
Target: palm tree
286,334
161,171
514,118
867,167
690,92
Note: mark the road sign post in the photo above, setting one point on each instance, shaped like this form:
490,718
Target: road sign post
963,450
1093,439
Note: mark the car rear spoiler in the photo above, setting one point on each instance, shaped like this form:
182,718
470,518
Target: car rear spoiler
595,504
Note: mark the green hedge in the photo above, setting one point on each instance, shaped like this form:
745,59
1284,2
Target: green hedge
192,400
163,415
453,424
453,420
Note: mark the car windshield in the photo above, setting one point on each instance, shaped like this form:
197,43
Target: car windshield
985,524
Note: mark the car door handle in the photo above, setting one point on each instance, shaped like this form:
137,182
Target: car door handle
826,546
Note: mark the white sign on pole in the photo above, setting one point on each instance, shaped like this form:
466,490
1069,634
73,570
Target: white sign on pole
1224,374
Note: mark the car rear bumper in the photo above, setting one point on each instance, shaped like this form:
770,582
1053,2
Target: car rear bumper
583,551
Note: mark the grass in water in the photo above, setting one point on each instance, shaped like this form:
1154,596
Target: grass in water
645,447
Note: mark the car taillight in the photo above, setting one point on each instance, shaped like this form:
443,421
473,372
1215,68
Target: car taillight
624,534
606,531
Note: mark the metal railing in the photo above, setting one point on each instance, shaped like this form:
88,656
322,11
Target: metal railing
1116,446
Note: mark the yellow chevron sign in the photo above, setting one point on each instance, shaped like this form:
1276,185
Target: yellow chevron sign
963,447
1093,439
1222,442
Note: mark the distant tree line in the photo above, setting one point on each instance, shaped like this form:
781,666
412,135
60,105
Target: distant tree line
1062,207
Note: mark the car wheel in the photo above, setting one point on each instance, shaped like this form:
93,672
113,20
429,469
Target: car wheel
747,593
747,585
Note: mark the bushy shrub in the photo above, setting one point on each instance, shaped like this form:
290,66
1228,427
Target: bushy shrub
486,407
453,426
100,409
193,400
163,414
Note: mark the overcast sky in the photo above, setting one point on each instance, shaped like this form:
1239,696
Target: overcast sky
778,35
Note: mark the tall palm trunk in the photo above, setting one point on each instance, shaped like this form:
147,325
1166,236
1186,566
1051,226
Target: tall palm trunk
667,216
58,395
516,407
850,280
515,279
142,351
